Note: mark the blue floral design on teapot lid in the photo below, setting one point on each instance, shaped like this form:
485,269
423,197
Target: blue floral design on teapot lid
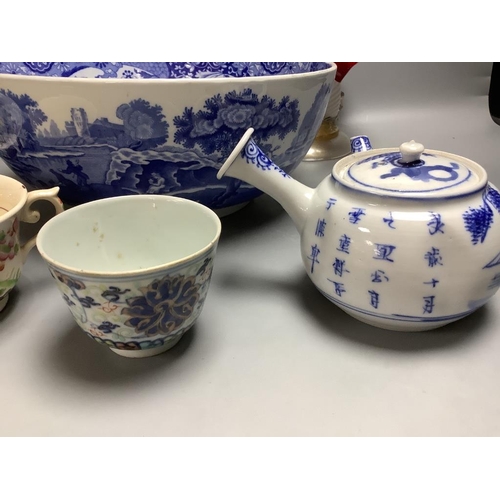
409,172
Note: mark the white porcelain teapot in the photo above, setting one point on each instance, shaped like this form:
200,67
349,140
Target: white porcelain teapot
405,239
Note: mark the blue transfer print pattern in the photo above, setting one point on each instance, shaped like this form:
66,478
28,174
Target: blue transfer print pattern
383,252
39,68
478,220
315,251
433,282
210,129
429,304
132,152
435,224
222,116
339,287
320,228
379,276
305,135
160,69
344,243
433,257
374,298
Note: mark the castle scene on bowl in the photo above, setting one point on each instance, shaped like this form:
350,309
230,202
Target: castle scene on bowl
156,142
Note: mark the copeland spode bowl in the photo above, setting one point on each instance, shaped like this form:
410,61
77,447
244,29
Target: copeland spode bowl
401,238
138,70
133,270
104,137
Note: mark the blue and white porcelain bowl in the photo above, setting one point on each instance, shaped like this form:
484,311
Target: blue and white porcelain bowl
165,130
131,70
133,270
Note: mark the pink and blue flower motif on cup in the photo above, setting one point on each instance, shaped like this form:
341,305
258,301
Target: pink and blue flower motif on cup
141,313
163,306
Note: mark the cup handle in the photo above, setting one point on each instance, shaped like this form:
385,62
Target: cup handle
32,216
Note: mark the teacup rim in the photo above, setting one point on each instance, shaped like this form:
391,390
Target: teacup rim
134,272
20,204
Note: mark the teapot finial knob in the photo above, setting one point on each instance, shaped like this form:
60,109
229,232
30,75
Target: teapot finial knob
410,151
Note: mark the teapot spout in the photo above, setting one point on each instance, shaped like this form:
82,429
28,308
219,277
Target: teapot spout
248,163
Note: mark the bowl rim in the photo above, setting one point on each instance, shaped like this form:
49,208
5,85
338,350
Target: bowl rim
174,81
134,273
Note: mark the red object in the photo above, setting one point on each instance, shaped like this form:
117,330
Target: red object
342,69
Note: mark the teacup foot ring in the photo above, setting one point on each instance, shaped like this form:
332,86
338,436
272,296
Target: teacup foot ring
147,353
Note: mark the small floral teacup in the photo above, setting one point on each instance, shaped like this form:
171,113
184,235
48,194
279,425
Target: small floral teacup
134,270
15,207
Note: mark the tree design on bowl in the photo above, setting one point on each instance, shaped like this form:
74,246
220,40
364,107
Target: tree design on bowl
140,148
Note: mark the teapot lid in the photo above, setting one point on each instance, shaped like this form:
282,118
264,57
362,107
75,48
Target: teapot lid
408,172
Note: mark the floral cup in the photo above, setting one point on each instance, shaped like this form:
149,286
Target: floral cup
15,207
134,270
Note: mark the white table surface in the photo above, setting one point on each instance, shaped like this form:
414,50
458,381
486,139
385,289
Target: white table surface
270,356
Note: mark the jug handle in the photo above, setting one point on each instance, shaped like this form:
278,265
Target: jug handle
33,216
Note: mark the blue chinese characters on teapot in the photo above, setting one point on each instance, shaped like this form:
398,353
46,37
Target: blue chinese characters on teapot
405,239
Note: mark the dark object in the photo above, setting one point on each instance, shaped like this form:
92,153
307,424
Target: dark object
494,93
